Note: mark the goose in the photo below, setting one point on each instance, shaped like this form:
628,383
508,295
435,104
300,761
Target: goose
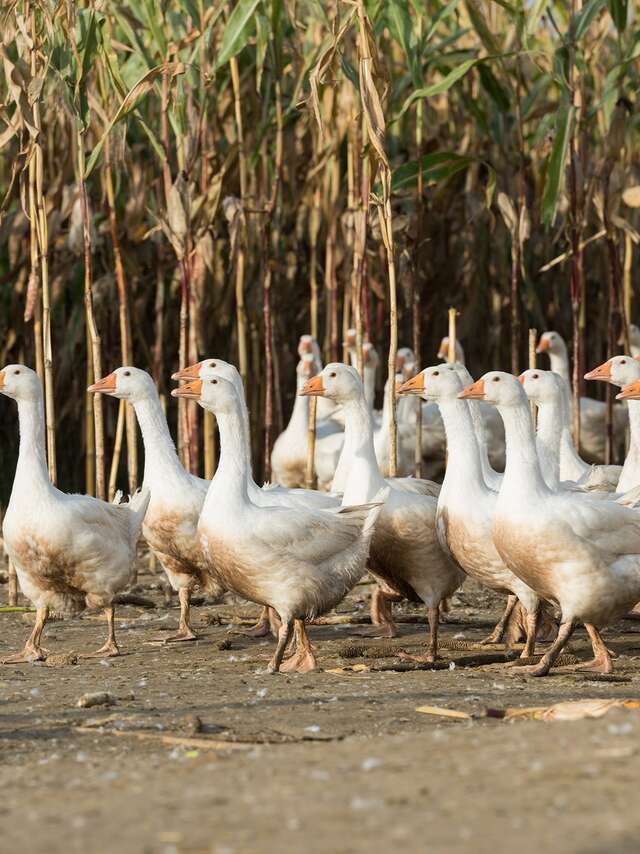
307,345
299,561
370,362
69,551
592,412
443,350
574,550
492,430
559,460
621,371
177,495
467,503
269,494
634,340
289,454
404,432
405,554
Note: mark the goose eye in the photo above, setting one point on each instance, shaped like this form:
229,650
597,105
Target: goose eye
623,362
496,379
212,364
535,376
16,372
214,382
436,373
332,374
127,373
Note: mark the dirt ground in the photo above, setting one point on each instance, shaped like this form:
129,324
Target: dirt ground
203,752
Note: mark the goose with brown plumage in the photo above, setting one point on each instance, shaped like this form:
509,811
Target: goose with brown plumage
572,548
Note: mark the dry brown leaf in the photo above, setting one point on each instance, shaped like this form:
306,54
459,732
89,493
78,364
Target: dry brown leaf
445,713
631,196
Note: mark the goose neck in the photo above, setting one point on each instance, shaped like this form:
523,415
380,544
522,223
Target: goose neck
522,473
31,471
229,484
161,464
362,478
548,436
463,450
630,475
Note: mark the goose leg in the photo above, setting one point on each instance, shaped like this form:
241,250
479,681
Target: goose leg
431,656
268,624
532,633
545,664
498,632
382,613
110,648
284,633
185,632
601,662
32,650
303,658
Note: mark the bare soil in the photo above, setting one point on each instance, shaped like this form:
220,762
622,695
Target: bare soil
203,752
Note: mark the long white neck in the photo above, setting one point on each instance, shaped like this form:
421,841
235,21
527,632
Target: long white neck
229,485
560,363
464,467
370,385
630,475
522,474
31,471
162,468
548,437
363,479
475,412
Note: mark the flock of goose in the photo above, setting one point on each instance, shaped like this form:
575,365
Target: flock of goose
553,532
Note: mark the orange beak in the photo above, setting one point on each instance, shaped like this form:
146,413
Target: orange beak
313,387
473,392
1,380
413,386
191,390
190,373
630,392
443,352
107,385
602,372
521,379
543,345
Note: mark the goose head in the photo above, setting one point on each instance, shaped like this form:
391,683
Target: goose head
439,382
541,386
207,368
552,343
496,387
127,383
619,370
20,383
443,350
336,381
370,356
214,393
630,392
308,344
404,357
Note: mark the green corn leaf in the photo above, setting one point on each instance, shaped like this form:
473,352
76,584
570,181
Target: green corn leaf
434,167
237,31
585,17
447,10
401,28
438,88
619,11
556,166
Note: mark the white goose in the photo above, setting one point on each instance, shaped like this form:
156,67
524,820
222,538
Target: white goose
621,371
571,548
405,553
634,340
289,454
177,495
300,562
592,412
268,495
466,503
70,551
558,457
307,345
